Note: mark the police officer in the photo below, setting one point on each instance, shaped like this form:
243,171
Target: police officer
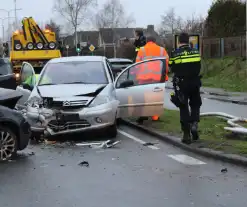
185,64
140,40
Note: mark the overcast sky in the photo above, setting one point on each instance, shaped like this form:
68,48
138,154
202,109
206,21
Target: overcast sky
144,11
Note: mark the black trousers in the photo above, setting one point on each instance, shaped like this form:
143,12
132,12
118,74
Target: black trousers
190,109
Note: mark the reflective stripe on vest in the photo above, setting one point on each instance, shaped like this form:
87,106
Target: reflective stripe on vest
36,77
144,57
137,49
187,60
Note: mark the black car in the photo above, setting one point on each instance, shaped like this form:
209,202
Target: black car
7,76
15,130
118,64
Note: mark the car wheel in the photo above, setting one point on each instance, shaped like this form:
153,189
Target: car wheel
112,131
8,144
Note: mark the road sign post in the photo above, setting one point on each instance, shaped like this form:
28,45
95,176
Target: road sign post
67,49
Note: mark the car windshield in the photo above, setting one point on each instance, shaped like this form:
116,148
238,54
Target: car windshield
86,72
120,64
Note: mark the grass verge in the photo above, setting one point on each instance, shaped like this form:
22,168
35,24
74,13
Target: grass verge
212,133
226,73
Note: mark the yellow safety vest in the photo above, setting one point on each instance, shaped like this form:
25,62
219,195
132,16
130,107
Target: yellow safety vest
137,49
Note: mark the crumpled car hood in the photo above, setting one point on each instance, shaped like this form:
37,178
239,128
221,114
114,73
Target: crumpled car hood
66,90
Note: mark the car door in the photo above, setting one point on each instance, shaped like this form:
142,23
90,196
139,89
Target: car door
141,99
7,76
26,71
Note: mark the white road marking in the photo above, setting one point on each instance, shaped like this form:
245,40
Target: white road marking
187,160
136,139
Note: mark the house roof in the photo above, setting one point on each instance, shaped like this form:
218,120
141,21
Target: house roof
108,34
88,36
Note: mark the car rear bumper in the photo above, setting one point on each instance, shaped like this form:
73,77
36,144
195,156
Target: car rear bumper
24,134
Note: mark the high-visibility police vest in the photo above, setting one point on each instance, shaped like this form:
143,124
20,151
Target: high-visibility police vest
150,71
32,81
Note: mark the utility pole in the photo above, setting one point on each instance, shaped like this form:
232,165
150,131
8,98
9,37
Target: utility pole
8,12
15,14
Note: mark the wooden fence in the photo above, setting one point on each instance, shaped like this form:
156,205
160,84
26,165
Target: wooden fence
223,47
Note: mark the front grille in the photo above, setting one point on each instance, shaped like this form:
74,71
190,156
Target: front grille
57,126
70,104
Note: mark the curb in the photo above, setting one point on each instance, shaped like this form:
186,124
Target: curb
229,101
202,92
219,99
230,158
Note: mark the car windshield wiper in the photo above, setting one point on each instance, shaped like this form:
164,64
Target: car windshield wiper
47,84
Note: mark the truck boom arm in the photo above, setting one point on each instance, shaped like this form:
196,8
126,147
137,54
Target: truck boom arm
32,31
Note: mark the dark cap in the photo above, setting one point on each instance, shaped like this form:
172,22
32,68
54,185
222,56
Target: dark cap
139,32
184,38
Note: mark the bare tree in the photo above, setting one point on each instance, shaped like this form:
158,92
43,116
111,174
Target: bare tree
195,24
74,11
113,15
170,22
54,27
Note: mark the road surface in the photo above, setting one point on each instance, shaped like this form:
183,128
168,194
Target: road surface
213,106
129,175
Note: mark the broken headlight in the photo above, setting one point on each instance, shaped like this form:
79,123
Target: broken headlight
99,100
35,102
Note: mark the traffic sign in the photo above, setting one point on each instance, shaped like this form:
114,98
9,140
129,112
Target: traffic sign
91,48
83,44
67,46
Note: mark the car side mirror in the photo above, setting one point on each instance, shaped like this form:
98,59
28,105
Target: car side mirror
27,86
126,84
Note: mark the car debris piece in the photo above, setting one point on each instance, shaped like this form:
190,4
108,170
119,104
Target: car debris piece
84,164
49,142
224,170
148,144
111,143
31,153
97,145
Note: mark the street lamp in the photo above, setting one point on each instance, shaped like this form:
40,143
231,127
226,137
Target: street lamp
8,12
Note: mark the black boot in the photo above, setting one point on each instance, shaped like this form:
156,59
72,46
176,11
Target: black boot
186,134
194,131
140,121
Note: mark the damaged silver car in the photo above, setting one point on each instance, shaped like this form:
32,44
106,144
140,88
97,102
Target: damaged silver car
76,94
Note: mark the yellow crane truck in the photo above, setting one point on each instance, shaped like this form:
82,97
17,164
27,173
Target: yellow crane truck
33,45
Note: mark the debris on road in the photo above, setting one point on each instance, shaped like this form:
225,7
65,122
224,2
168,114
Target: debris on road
84,164
97,145
224,170
111,143
31,153
148,144
50,142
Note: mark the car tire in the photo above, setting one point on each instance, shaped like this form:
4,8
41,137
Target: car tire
11,142
111,132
